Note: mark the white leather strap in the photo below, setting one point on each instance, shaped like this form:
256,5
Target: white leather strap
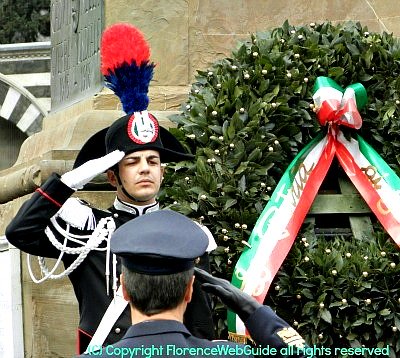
113,312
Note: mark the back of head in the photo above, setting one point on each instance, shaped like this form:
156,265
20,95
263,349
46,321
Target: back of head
158,252
153,294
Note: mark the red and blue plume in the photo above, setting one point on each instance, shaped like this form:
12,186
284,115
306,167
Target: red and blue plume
125,65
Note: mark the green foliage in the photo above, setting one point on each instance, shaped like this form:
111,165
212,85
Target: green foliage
24,21
246,118
341,292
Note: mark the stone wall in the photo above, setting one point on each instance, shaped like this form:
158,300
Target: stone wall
185,36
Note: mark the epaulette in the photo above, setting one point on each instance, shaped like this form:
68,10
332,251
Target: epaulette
78,214
290,337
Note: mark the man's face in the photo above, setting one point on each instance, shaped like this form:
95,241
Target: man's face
141,175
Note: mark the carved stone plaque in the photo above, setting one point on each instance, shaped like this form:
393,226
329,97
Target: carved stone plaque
76,27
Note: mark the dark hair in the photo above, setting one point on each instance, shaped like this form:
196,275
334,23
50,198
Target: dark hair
152,294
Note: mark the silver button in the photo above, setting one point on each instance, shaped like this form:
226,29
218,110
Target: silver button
117,330
115,215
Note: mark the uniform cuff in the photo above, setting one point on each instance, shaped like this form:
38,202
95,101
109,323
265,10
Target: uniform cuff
55,190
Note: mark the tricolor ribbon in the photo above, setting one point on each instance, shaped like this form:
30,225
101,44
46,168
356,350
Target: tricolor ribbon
281,219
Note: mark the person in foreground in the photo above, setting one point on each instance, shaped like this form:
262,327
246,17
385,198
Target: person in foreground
157,279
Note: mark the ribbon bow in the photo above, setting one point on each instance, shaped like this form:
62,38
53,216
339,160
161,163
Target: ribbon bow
336,105
281,219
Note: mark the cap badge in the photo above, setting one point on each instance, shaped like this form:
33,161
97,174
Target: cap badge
142,128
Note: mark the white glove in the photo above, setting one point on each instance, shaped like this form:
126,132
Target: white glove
78,177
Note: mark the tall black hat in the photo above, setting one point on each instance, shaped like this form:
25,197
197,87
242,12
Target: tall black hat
127,72
141,131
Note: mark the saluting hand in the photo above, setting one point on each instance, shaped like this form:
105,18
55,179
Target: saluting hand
82,175
238,301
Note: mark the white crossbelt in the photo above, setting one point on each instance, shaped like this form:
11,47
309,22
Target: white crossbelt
113,312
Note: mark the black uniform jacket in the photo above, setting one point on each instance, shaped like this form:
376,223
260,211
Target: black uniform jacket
167,338
26,232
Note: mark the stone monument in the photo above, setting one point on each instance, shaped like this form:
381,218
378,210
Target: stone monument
75,58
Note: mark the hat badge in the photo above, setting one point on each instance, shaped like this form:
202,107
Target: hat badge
142,128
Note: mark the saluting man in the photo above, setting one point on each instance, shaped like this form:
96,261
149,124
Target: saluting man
131,151
150,259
